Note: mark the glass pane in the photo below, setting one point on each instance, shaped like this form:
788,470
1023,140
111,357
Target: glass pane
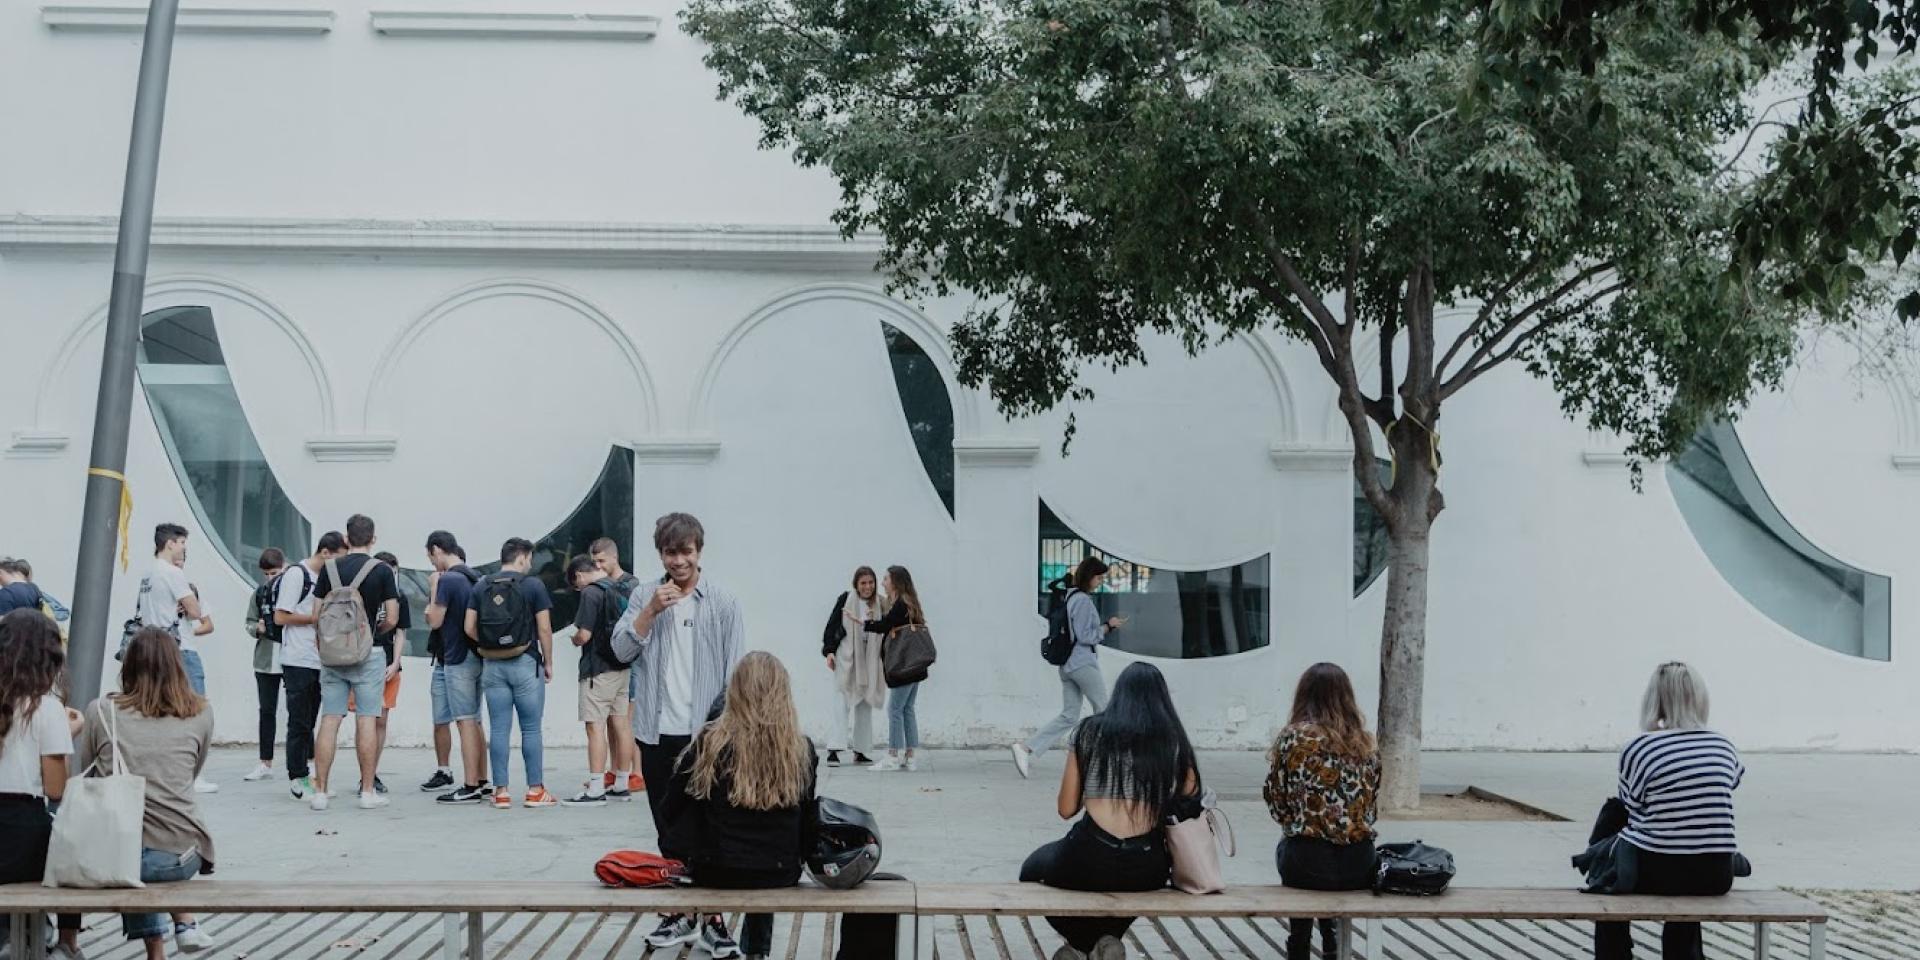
233,493
1170,613
1369,534
928,409
1778,570
607,511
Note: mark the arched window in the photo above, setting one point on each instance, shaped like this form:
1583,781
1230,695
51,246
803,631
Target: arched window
927,407
1778,570
1369,534
1170,613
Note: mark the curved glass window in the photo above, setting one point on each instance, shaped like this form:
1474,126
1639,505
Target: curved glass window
1170,613
928,409
227,482
1369,534
1796,584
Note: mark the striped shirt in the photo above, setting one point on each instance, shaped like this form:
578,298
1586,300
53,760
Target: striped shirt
1678,787
719,641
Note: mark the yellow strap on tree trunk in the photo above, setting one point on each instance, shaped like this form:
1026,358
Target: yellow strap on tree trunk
126,508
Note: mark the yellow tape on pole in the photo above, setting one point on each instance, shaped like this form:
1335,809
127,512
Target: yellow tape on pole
126,508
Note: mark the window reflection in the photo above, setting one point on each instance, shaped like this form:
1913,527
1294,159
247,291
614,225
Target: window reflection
1170,613
1778,570
1369,533
928,409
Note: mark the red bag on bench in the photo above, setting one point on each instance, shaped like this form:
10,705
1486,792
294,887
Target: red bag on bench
638,868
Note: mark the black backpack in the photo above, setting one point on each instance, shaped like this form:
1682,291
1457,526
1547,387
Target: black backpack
613,606
267,596
503,622
1413,869
1057,646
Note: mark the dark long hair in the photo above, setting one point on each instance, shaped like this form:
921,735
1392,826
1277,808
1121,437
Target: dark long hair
1088,569
30,664
1139,739
904,592
1324,700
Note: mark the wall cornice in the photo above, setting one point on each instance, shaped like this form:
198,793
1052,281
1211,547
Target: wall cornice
132,18
802,245
521,26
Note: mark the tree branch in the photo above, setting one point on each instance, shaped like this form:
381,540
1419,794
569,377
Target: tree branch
1487,308
1472,373
1514,322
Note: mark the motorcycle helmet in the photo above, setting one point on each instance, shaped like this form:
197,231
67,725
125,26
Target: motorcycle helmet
846,846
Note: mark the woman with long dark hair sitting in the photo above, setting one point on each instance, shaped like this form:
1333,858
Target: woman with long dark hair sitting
1322,789
739,797
164,730
1125,767
36,735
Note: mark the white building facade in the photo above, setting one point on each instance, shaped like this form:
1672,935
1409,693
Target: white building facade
508,269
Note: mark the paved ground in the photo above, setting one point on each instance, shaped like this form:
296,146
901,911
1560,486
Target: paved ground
1836,826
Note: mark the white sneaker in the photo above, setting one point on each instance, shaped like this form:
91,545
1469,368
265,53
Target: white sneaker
203,785
886,764
260,772
372,800
913,763
190,938
318,800
1023,760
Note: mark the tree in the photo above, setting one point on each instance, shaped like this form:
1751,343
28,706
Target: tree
1089,169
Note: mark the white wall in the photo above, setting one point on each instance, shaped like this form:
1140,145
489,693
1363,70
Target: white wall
752,384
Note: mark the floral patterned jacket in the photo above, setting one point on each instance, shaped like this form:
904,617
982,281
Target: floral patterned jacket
1314,792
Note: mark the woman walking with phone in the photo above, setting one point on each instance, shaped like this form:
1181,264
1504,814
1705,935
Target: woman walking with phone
1080,676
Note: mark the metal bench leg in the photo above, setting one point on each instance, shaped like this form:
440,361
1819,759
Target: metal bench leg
1762,942
1343,948
36,937
476,936
17,934
1817,940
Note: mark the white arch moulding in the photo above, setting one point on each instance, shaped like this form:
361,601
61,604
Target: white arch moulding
511,287
929,335
182,290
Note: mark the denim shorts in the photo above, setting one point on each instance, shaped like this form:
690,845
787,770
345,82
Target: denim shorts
196,672
159,866
463,687
442,709
367,682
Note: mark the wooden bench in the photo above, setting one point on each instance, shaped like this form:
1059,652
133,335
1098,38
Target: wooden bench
1759,908
463,905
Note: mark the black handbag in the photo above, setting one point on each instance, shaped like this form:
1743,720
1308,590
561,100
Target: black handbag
1412,869
907,654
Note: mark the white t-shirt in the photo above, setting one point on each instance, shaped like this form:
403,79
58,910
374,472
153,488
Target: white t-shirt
679,715
298,642
160,593
44,734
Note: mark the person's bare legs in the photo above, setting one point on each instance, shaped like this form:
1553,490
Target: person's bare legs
366,749
620,740
379,741
326,740
597,749
473,750
156,948
443,745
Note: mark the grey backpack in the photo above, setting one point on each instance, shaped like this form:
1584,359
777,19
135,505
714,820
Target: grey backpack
344,632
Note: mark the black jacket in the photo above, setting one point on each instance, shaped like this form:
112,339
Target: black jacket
896,618
715,833
836,627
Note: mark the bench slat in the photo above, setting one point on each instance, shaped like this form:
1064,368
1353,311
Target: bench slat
1463,903
216,896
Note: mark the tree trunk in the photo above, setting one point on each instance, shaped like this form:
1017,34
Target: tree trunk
1403,632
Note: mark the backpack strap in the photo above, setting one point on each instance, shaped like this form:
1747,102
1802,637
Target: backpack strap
360,577
333,572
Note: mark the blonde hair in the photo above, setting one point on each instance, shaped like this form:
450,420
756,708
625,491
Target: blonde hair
1676,699
757,737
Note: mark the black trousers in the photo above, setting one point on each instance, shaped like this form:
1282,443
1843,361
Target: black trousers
1310,863
303,711
656,768
26,827
1661,874
1089,858
756,932
269,686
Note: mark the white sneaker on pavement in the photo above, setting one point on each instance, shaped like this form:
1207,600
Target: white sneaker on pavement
203,785
1023,760
317,801
373,800
190,938
886,764
260,772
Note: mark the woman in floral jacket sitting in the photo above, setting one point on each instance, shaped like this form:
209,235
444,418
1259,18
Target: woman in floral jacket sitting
1321,789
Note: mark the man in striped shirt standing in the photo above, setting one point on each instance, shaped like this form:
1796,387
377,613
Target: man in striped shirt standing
1674,810
683,635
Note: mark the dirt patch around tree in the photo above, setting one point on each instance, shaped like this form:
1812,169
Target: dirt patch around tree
1461,804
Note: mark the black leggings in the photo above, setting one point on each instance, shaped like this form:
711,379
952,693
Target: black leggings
1310,863
303,711
1089,858
269,687
26,827
1660,874
756,932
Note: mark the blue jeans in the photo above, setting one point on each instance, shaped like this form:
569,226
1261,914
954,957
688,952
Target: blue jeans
159,866
903,725
442,709
516,686
1075,685
196,673
463,686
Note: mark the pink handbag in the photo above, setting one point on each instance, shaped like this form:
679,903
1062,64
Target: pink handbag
1196,846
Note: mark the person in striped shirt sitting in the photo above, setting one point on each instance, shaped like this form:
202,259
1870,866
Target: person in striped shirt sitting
1674,810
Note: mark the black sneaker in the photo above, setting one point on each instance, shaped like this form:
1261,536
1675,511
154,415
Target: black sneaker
674,930
621,795
861,758
465,795
585,799
718,943
833,758
379,786
439,781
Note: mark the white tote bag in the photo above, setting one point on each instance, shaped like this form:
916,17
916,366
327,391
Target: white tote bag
97,833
